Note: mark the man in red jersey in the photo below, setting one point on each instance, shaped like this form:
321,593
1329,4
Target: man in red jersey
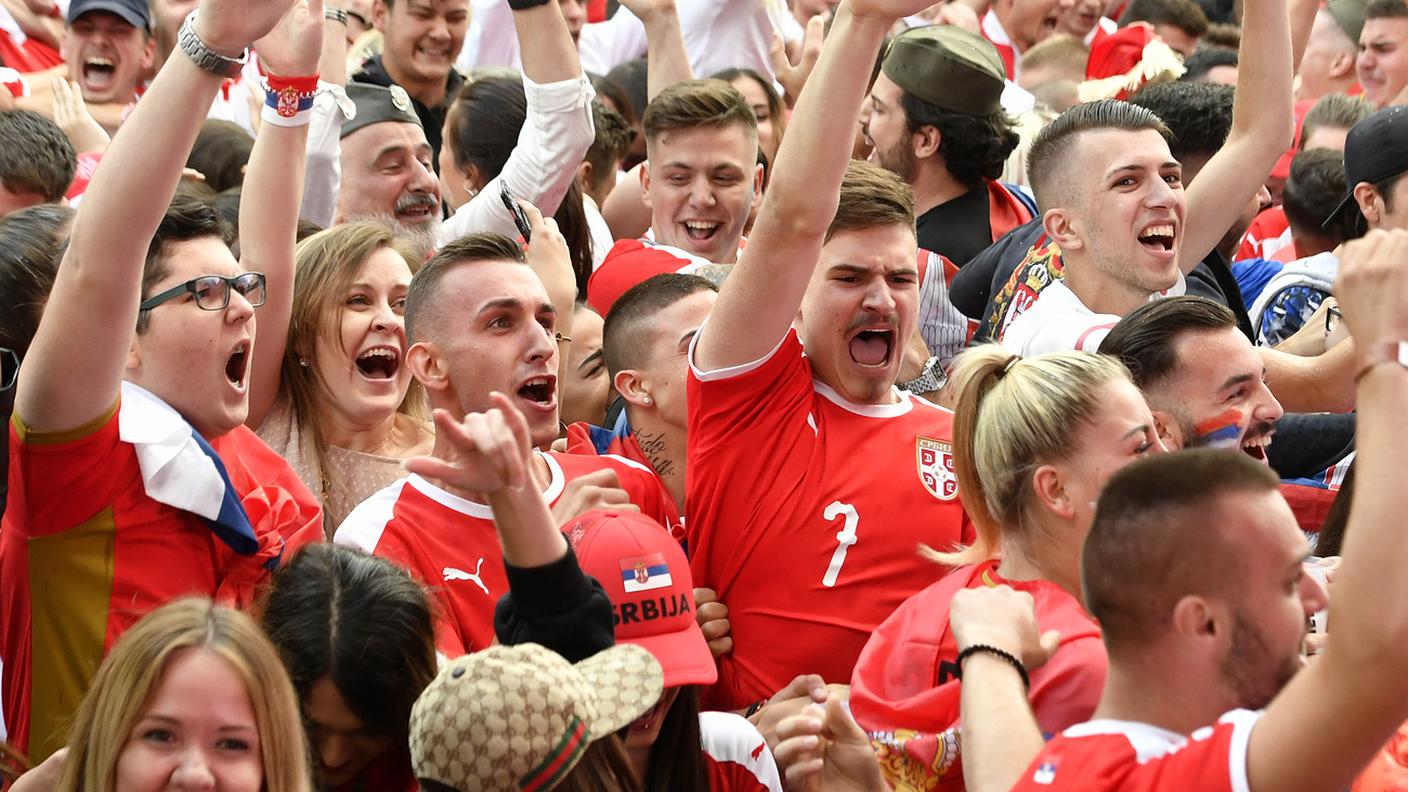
811,480
133,479
1203,602
480,322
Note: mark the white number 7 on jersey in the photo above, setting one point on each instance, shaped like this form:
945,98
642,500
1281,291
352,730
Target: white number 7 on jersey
845,538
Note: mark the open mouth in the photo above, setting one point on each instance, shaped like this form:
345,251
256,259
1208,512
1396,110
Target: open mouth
647,721
98,72
1255,447
701,230
539,391
379,363
238,365
872,348
1158,238
419,213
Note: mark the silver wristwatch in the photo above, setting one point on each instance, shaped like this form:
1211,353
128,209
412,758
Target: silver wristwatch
204,57
931,379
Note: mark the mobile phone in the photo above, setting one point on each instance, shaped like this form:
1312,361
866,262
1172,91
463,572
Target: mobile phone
520,218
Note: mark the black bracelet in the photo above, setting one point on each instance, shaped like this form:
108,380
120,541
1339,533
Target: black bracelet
754,707
995,652
524,5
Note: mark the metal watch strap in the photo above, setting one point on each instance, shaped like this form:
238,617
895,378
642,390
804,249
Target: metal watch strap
335,14
204,57
930,380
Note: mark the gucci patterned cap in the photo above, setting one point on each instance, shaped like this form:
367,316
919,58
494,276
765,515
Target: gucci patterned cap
520,717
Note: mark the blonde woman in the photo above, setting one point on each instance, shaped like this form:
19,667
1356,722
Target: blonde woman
192,696
342,406
1034,441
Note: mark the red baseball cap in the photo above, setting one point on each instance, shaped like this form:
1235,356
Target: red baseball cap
646,576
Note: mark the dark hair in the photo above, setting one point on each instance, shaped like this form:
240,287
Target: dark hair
1146,339
777,109
622,341
32,243
424,289
1379,9
186,218
1313,191
1151,544
973,148
1185,15
676,758
1197,114
335,611
1052,146
1221,34
483,125
1335,110
613,138
221,151
1205,60
36,157
630,78
698,103
871,196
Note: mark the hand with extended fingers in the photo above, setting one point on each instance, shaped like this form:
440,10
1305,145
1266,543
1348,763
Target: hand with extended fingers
229,26
293,47
486,452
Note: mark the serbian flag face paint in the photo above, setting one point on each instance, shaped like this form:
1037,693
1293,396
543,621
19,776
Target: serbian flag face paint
1221,431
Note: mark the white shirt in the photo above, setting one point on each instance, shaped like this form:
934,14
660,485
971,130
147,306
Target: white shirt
1059,322
555,137
718,35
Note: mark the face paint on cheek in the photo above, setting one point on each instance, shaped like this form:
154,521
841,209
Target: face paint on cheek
1220,431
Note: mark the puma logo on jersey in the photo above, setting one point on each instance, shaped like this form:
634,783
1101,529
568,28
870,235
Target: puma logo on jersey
451,573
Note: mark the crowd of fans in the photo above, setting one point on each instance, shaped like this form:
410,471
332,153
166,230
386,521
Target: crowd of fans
703,395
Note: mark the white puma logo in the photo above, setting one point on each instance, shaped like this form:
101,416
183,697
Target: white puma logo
451,573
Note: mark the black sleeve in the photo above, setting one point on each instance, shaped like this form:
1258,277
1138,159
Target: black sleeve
558,606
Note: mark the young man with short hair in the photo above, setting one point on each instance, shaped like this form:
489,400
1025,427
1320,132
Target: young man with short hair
1015,26
37,161
135,479
422,39
700,180
1180,23
481,321
810,477
108,46
1382,65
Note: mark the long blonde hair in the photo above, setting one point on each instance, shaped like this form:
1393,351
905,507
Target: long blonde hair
127,679
327,265
1013,415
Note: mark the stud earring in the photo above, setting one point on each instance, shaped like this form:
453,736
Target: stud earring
647,399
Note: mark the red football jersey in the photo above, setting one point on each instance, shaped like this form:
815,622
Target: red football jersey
806,513
737,758
1136,757
905,690
450,543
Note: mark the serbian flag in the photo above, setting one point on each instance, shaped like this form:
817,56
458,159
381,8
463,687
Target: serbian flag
644,573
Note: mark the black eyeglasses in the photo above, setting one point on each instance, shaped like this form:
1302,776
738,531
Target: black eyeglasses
212,292
1332,319
9,368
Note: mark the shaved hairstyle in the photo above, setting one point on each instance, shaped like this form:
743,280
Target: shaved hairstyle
1157,538
626,334
422,297
1049,161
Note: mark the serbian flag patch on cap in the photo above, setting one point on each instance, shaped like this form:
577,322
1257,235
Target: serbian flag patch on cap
644,573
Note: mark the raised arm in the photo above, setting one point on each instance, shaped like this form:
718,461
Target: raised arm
273,191
74,368
761,296
667,62
1262,129
555,136
1337,712
1324,383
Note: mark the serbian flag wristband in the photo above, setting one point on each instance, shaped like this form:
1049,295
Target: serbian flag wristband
288,101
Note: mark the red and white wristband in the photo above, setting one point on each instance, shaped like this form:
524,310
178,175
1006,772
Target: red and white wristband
288,101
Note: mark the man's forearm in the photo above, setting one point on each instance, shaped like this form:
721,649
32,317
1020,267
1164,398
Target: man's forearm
1324,383
545,45
666,58
1000,733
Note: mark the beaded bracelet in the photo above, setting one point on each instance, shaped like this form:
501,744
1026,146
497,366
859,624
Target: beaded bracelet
998,653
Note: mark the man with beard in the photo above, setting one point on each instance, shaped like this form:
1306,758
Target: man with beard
387,165
108,47
1204,381
934,116
1203,603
